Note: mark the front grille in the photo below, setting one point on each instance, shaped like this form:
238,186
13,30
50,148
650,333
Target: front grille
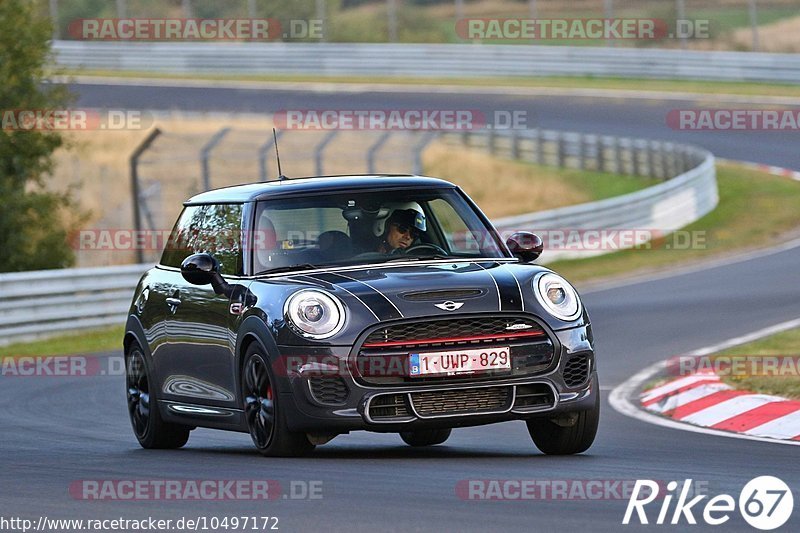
389,347
330,390
576,371
454,402
534,396
451,332
388,407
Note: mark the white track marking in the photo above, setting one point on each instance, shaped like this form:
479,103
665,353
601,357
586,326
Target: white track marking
675,385
738,405
785,427
671,403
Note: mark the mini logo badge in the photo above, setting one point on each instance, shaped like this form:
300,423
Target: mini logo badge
449,306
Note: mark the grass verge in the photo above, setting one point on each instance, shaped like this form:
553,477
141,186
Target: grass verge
101,340
568,82
503,187
787,383
755,209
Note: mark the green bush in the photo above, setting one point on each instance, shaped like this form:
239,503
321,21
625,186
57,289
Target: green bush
34,221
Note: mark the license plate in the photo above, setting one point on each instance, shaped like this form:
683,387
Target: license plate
459,361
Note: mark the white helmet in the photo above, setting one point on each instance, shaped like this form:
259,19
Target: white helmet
416,218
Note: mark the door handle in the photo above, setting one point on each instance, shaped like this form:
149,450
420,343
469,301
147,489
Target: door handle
173,302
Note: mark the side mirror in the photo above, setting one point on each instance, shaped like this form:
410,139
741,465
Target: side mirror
202,269
525,245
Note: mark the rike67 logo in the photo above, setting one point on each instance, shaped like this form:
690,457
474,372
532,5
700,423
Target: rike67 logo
765,503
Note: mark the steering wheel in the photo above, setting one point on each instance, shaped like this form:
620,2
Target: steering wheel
424,246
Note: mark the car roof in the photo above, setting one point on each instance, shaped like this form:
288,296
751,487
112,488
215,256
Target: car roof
290,186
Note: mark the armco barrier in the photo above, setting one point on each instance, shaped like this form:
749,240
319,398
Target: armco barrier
662,208
426,60
51,302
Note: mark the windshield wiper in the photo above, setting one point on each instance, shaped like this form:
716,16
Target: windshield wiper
302,266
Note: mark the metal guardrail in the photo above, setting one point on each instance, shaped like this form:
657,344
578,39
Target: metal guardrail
688,192
49,302
427,60
43,303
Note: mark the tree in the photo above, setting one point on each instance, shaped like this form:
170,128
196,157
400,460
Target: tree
34,221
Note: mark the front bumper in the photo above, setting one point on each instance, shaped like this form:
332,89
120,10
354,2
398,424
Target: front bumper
313,408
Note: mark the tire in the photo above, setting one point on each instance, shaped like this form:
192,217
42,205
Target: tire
425,437
555,439
265,419
150,430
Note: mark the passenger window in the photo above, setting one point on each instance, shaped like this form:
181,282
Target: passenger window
183,240
221,236
214,229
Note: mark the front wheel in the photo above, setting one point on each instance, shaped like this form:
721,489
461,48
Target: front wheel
566,435
150,430
265,418
425,437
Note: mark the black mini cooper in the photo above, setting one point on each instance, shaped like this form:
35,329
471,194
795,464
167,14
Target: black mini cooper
300,309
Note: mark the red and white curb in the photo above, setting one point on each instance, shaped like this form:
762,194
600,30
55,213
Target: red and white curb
701,403
769,169
703,399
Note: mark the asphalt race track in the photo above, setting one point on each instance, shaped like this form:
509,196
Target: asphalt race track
638,118
64,429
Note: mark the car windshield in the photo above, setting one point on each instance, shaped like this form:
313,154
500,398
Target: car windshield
368,227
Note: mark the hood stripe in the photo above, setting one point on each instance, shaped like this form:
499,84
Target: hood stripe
377,291
521,295
378,304
497,288
509,292
318,280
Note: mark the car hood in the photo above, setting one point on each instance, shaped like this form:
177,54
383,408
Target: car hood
391,292
411,290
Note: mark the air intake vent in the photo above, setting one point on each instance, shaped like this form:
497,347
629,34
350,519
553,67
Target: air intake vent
466,401
576,371
389,407
534,396
445,294
330,390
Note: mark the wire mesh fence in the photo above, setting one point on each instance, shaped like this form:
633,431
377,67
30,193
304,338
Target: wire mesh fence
177,166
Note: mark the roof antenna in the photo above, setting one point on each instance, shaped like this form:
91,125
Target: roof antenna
281,177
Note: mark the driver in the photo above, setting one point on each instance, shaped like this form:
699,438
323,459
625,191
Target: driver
401,230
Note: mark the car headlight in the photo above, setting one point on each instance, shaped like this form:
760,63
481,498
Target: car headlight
316,314
557,296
